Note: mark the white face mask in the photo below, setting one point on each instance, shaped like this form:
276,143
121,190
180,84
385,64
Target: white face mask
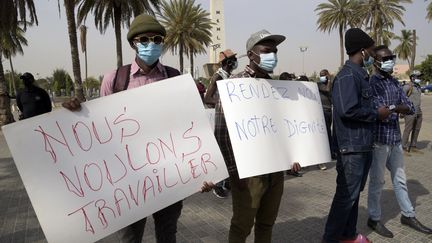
268,61
417,81
323,79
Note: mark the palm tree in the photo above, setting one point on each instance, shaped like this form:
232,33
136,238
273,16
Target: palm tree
379,16
83,42
337,14
117,12
12,45
405,47
429,12
188,28
11,12
200,34
72,30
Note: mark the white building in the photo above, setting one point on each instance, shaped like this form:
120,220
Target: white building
218,30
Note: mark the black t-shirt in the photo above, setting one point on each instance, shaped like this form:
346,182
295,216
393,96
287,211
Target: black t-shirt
33,101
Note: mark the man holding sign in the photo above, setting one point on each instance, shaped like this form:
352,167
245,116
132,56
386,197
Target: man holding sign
255,199
146,36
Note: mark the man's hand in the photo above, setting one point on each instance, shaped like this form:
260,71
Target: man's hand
73,104
383,112
295,167
207,186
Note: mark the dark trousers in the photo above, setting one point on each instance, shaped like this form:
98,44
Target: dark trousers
165,226
352,171
411,121
328,121
255,203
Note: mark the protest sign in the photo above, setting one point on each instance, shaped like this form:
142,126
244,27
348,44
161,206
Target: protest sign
118,160
274,123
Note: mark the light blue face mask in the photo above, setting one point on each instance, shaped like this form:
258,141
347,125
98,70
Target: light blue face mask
149,53
323,79
387,66
369,61
268,61
417,81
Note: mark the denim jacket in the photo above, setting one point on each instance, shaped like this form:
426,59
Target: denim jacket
354,115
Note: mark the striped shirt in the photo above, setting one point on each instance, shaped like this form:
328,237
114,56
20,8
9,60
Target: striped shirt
221,129
387,91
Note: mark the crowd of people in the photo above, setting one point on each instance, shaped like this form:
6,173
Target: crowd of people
361,111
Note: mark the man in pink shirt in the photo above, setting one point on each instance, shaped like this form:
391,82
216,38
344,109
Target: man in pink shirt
146,36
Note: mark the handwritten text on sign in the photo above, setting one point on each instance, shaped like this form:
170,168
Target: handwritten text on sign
120,159
274,123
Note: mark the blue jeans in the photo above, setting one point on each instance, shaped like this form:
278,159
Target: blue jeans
390,156
352,171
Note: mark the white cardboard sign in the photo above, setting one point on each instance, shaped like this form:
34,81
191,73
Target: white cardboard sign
274,123
118,160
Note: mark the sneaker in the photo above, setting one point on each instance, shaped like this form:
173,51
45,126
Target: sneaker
322,167
296,174
220,192
226,185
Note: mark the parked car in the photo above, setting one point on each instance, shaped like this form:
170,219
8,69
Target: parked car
427,88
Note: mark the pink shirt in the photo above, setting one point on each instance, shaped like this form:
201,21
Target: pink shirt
137,78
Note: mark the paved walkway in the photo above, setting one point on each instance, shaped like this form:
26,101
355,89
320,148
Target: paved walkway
206,219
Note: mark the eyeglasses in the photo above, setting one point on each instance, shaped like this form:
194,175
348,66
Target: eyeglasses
157,39
388,58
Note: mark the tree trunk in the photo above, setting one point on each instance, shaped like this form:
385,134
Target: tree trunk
341,45
6,116
413,54
191,63
70,15
117,28
13,77
181,58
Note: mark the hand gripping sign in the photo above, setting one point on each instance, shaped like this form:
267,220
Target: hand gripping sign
118,160
273,123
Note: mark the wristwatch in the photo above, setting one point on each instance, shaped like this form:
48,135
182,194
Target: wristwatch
392,107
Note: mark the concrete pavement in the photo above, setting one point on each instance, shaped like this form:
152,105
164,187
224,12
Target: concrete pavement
206,219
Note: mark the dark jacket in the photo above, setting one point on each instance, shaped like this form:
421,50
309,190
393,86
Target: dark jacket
33,101
354,115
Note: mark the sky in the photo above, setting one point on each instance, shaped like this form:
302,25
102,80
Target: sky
48,43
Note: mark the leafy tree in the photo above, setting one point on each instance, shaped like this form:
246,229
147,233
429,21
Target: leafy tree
116,12
60,79
426,68
11,12
338,14
429,12
406,46
379,16
188,28
69,6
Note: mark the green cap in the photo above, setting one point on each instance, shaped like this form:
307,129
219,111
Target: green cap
144,23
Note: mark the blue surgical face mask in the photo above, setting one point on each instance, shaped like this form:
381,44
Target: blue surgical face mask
387,66
149,53
235,65
323,79
417,81
369,61
268,61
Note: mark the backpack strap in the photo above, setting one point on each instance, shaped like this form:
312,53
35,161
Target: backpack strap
121,79
122,76
409,92
171,72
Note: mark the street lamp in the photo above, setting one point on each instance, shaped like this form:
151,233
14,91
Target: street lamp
215,47
303,49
